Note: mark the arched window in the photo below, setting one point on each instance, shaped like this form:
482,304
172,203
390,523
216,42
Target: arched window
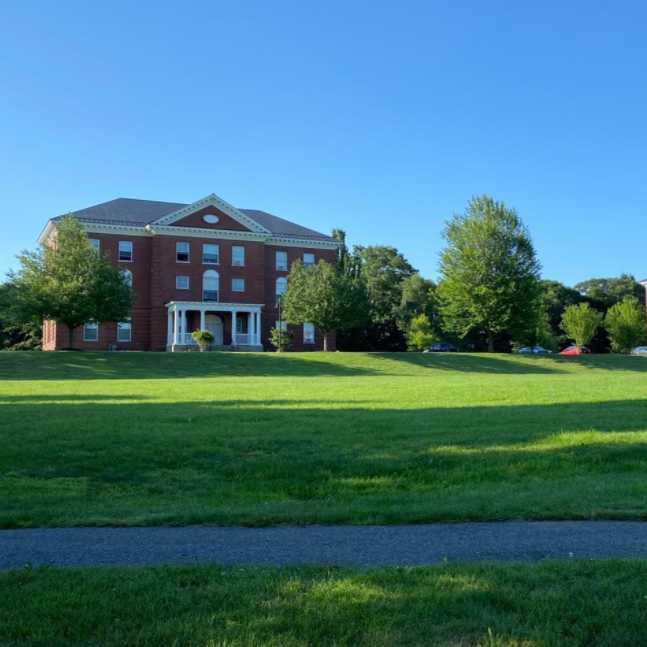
281,286
210,285
128,277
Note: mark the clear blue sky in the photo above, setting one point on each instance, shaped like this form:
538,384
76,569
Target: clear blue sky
379,118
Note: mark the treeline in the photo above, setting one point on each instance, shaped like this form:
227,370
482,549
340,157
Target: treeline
490,295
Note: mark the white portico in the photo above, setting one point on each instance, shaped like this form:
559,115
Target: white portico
237,325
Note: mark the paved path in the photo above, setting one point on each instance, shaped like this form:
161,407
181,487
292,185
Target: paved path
344,545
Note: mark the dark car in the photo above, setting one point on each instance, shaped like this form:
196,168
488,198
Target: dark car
442,347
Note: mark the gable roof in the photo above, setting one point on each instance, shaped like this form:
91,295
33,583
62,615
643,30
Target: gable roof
134,212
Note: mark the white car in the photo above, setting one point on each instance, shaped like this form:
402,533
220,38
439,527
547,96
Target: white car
639,350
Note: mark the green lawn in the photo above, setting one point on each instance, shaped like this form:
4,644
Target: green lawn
541,605
144,438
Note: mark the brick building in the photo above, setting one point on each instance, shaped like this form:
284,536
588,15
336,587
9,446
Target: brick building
206,265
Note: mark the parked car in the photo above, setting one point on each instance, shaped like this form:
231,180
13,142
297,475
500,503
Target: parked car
442,347
575,350
534,350
639,350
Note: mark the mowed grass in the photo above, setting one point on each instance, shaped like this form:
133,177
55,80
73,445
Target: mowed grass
226,438
547,604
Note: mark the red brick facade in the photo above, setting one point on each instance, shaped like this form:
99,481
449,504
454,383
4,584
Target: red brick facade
154,269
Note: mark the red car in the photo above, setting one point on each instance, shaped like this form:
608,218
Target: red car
575,350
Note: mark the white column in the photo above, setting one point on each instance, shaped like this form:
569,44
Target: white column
233,327
169,327
202,319
182,340
176,324
258,328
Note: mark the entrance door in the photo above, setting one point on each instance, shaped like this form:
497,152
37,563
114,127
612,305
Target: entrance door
213,324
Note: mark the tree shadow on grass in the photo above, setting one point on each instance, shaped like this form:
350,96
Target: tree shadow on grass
473,363
154,366
251,462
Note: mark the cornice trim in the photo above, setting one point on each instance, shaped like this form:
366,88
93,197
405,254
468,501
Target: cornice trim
214,201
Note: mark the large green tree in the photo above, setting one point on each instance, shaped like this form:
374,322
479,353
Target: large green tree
68,281
325,296
489,273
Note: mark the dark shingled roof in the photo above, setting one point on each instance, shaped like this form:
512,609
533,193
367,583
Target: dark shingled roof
130,211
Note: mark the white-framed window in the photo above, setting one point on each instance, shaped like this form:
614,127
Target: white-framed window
210,285
210,254
182,252
125,250
308,259
238,255
281,286
124,331
308,333
95,243
237,285
91,331
127,276
181,282
281,261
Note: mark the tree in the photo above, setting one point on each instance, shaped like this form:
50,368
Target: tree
69,282
384,269
625,323
420,334
324,296
418,297
489,273
606,292
16,333
580,322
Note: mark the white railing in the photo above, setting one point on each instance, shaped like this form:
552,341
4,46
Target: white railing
242,339
188,340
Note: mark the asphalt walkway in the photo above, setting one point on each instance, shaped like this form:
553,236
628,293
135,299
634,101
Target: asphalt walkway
342,545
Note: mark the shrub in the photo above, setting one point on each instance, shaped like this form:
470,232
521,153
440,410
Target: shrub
625,323
420,333
280,339
203,338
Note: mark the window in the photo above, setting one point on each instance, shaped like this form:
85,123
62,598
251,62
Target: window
182,252
181,282
238,255
308,333
282,261
124,331
281,286
95,243
308,259
237,285
125,250
210,285
210,254
127,276
282,325
91,331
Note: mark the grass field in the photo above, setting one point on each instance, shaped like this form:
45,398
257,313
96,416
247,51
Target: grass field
549,604
226,438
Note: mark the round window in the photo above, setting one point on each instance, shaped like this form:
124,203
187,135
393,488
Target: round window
210,218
